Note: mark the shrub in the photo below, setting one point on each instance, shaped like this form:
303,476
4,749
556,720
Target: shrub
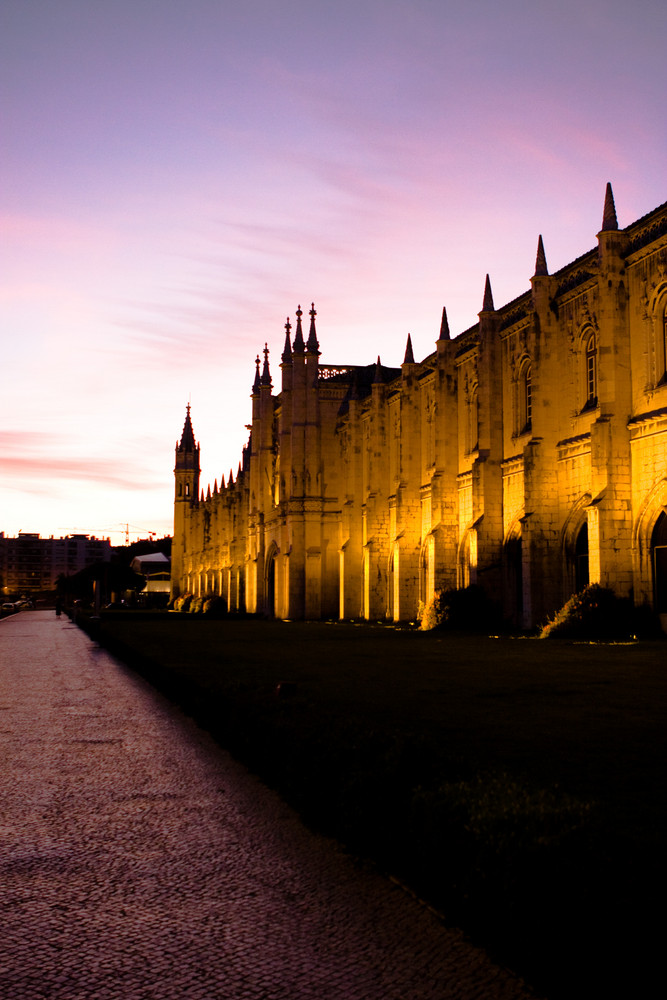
429,615
183,603
597,613
467,610
215,607
196,605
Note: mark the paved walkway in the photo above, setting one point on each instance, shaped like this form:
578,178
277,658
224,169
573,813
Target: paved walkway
139,862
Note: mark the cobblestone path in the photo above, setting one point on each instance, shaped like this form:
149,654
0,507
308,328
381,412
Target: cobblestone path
139,862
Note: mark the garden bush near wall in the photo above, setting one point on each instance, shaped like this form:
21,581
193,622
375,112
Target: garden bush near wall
215,607
466,610
183,603
211,605
597,613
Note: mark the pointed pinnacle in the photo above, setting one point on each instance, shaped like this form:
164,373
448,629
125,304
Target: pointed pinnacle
256,384
444,326
312,346
409,358
487,305
540,260
609,220
187,437
287,350
378,380
299,347
266,374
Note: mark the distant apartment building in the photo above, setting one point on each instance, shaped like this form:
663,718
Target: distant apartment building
30,564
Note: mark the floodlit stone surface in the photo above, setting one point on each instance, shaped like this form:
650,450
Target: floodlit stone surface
138,861
526,455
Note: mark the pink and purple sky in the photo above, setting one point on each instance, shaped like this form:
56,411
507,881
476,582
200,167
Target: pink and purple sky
176,177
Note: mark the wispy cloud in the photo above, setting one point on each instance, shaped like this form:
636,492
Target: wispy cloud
37,474
34,461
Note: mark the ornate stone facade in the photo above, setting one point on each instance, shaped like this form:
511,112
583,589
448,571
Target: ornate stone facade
528,455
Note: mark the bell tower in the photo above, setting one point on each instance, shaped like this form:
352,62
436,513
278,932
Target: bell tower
186,470
186,493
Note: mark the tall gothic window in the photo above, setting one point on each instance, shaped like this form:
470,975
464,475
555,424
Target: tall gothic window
591,372
581,575
525,408
473,420
662,348
659,550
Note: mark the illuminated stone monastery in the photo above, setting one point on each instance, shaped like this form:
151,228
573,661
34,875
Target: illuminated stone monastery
527,455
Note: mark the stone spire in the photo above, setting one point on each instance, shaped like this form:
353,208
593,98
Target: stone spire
299,346
187,437
540,261
287,350
487,305
266,374
312,346
444,326
186,470
378,380
609,221
409,358
256,384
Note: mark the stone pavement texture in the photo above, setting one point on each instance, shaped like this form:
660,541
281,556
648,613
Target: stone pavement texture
138,861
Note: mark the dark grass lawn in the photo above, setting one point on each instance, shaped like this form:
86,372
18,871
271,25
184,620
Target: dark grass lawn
516,784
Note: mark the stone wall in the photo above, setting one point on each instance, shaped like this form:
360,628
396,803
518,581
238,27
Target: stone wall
527,455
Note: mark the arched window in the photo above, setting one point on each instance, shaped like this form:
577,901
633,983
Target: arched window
513,595
581,577
276,482
591,372
659,552
528,394
661,352
271,590
525,401
472,442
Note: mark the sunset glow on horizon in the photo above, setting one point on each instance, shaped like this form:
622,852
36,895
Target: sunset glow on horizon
176,178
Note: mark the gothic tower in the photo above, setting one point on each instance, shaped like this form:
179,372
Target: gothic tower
186,493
